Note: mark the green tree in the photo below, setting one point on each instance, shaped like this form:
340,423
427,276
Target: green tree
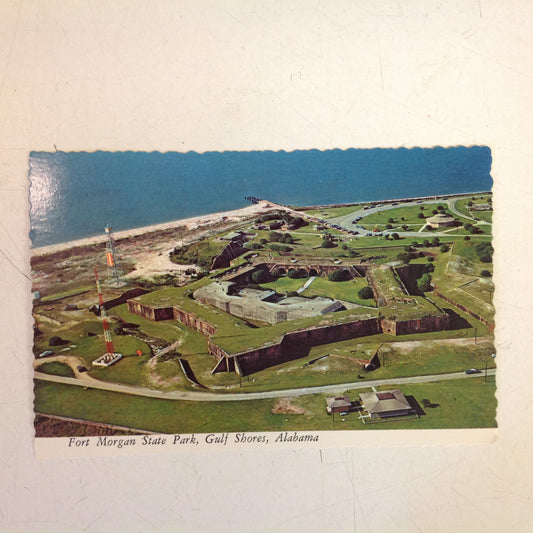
404,257
365,293
435,241
444,248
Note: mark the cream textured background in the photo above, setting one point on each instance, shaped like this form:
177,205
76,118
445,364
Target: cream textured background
241,75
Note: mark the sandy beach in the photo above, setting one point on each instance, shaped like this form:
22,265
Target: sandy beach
144,250
189,223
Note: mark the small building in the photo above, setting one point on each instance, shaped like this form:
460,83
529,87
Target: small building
339,404
440,220
385,404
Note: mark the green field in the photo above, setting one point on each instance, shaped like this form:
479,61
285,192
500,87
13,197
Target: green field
333,212
459,267
461,403
56,368
341,290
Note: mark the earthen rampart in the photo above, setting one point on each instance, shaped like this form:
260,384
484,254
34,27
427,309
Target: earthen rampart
463,308
150,312
420,325
194,322
294,344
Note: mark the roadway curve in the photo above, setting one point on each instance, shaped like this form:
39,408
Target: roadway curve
234,397
345,221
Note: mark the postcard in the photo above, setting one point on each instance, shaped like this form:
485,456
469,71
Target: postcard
222,299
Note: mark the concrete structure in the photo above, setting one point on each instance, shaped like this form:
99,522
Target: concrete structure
385,404
263,305
107,359
440,220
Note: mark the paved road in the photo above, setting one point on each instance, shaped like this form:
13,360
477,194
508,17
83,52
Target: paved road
233,397
345,221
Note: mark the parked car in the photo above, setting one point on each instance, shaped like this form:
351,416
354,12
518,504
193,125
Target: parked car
473,371
81,368
46,353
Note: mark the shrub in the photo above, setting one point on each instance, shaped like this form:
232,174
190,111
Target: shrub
261,276
292,273
485,251
486,274
365,293
404,257
467,237
395,236
327,243
424,282
435,241
339,275
280,247
444,248
57,341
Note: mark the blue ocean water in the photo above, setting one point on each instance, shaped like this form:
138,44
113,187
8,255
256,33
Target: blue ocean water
75,194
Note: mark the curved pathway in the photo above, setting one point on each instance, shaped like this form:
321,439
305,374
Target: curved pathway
345,221
234,397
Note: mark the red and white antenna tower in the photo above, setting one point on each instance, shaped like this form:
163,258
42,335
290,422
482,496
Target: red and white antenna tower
107,333
111,257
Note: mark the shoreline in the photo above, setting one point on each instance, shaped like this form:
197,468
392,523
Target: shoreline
388,200
196,222
190,223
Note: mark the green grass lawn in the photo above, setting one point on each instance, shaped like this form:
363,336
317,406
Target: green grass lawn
407,212
454,269
284,285
56,368
333,212
341,290
465,403
462,206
